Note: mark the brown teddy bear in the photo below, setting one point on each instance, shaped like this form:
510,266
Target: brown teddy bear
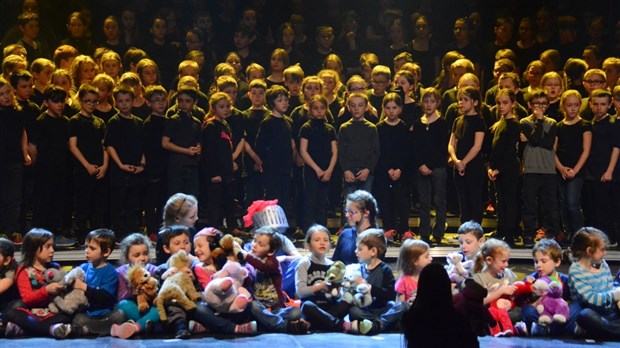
143,286
227,250
177,287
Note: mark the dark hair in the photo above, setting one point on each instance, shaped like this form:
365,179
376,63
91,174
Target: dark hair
54,93
19,75
601,93
87,88
471,226
548,247
537,94
365,201
188,91
131,240
163,239
314,229
33,243
587,237
104,237
473,94
26,17
132,56
373,238
7,249
275,238
273,93
123,89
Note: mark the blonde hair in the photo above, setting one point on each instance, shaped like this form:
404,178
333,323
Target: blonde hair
569,93
177,207
216,98
76,69
409,253
307,80
491,248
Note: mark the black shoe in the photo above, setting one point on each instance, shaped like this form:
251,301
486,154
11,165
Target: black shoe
182,334
528,242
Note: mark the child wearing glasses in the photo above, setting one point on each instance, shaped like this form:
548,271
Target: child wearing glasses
361,213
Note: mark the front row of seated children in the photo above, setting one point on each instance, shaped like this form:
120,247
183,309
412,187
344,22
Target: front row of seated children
377,303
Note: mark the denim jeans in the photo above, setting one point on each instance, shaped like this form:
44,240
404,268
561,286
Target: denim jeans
600,325
276,320
529,315
569,196
387,316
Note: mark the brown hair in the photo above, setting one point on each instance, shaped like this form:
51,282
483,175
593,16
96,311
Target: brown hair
491,248
587,237
409,253
373,238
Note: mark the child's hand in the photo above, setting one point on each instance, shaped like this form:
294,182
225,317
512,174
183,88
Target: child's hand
127,168
424,170
169,272
320,286
327,175
101,172
509,289
362,175
188,271
319,174
27,160
522,138
492,174
216,179
607,176
235,166
394,174
54,288
79,284
92,169
349,176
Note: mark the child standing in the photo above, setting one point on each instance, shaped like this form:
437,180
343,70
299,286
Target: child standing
36,293
383,312
361,213
380,80
322,313
319,150
430,136
591,284
465,148
572,148
253,118
414,255
504,166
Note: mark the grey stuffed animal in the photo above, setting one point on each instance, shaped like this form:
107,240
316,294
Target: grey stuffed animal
71,300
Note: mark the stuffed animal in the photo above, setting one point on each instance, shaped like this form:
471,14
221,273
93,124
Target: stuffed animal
499,310
524,292
334,278
225,292
351,291
143,286
226,250
551,306
470,303
178,287
71,300
457,270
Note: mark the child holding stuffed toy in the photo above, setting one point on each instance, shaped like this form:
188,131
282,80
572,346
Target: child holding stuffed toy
383,313
325,314
414,255
491,271
547,255
34,318
135,251
591,284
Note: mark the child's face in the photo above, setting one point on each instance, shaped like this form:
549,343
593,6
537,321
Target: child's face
392,110
534,74
553,86
538,106
508,83
76,28
600,106
311,89
616,102
231,91
64,82
158,104
159,29
571,107
190,218
46,253
354,214
149,75
202,250
112,68
398,64
88,72
23,90
44,76
94,254
6,96
222,109
185,103
430,105
380,84
325,39
260,246
467,105
89,103
328,84
235,62
111,30
257,97
293,86
456,73
402,82
469,244
545,265
249,19
255,74
504,105
30,30
180,242
280,104
499,262
357,107
138,254
319,244
242,41
423,261
598,254
611,73
365,254
593,81
104,92
288,35
124,103
318,110
276,63
55,108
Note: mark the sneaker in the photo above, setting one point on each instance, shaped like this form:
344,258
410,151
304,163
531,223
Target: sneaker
392,236
357,327
375,328
12,330
247,328
182,334
539,330
64,242
298,327
541,233
62,331
408,235
196,327
490,208
16,238
124,330
520,329
528,241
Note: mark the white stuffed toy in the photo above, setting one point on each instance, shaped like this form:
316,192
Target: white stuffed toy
225,292
354,290
457,270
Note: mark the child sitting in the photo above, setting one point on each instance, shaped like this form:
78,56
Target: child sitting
414,255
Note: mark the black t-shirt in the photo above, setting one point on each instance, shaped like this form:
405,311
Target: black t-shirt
465,129
90,132
217,149
252,119
570,142
125,135
50,136
604,139
320,135
184,131
11,132
394,142
155,155
30,112
430,144
106,115
411,113
273,144
503,155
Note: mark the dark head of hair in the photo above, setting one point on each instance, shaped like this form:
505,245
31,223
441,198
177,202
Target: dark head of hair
7,249
33,243
123,89
132,56
471,226
104,237
19,75
548,247
586,240
64,52
537,94
575,68
275,238
26,17
365,201
473,94
318,98
188,91
163,239
392,97
87,88
373,238
131,240
245,32
601,93
314,229
54,93
511,75
273,93
154,90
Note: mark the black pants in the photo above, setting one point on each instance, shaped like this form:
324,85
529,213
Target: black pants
327,316
540,188
91,202
33,326
471,191
220,204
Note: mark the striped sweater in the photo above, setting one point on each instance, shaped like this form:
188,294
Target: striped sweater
592,290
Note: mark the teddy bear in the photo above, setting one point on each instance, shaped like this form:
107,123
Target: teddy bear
71,300
351,290
143,286
225,292
551,307
470,303
227,249
177,287
333,278
456,268
499,310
